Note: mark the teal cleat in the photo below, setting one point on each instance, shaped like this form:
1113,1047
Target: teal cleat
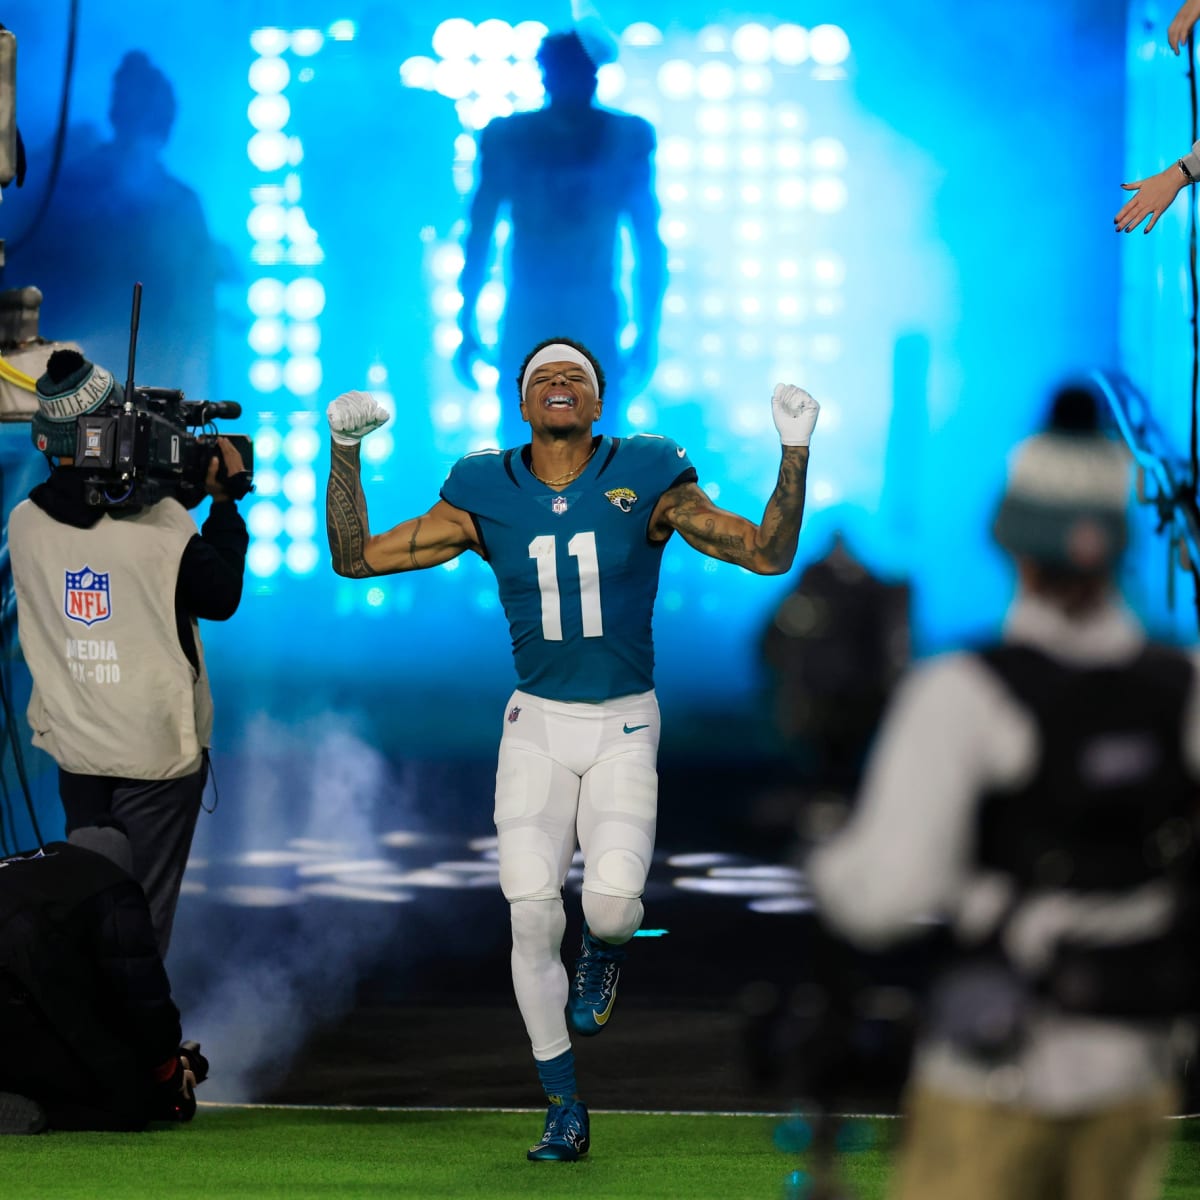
594,988
566,1137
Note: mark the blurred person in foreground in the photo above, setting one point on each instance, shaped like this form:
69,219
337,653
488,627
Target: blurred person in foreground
835,647
1040,796
90,1037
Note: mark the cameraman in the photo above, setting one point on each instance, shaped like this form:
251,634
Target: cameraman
107,604
90,1037
1041,795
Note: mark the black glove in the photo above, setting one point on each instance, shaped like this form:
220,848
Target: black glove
236,486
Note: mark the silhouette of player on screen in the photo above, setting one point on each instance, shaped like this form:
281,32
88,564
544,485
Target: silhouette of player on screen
570,174
355,109
116,216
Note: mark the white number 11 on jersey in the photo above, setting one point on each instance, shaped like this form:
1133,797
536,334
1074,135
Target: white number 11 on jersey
582,548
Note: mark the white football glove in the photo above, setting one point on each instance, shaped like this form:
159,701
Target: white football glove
795,413
353,415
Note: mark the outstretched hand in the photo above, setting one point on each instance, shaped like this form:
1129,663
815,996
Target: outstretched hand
353,415
1181,24
1153,196
795,413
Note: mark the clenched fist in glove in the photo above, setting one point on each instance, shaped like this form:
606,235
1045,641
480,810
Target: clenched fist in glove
795,413
353,415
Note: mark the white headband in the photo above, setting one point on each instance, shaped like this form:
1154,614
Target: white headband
559,352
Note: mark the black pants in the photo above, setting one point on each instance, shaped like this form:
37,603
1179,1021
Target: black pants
159,816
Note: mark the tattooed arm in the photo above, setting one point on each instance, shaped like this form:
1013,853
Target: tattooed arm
443,533
767,548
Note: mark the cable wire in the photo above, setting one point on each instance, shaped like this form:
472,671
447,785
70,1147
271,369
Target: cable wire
60,134
16,376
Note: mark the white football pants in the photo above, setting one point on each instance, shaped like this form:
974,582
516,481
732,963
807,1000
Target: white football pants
571,773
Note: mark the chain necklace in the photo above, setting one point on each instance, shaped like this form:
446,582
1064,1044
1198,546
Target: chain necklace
569,475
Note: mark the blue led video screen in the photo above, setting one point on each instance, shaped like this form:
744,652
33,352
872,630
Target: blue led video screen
906,209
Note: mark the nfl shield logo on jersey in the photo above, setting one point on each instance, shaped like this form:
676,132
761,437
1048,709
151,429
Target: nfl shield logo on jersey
86,596
559,506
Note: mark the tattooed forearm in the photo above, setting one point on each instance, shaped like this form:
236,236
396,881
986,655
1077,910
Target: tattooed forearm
720,534
346,514
779,530
767,548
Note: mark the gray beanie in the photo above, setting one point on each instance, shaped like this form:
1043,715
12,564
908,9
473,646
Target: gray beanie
1065,501
70,387
107,840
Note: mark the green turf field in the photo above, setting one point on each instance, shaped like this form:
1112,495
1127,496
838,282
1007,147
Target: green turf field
345,1154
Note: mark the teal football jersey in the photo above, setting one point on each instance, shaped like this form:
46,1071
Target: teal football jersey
576,571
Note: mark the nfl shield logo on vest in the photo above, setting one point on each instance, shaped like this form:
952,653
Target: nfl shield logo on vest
86,596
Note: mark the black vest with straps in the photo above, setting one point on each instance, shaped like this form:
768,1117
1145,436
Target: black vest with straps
1111,804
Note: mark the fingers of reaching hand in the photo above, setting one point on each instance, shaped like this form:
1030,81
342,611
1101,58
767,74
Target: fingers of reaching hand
353,415
1147,201
1129,216
1181,25
795,413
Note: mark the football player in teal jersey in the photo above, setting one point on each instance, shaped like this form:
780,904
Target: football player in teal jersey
573,525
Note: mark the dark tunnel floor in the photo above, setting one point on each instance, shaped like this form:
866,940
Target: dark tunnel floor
320,977
431,1021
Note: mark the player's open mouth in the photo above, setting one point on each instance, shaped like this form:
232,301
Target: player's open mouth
559,400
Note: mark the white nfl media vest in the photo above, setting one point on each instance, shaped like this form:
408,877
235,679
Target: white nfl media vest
113,691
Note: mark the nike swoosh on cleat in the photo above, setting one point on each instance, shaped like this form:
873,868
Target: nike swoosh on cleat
633,728
601,1018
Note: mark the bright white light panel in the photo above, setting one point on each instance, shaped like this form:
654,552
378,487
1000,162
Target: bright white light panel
747,182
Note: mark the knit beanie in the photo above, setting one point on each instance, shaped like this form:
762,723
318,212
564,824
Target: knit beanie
1067,492
70,387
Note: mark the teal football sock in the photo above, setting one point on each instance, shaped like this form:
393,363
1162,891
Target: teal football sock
558,1077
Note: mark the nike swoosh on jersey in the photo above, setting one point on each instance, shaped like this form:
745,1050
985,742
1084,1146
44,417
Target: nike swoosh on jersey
633,728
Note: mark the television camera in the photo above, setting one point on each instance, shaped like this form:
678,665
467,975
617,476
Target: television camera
138,446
